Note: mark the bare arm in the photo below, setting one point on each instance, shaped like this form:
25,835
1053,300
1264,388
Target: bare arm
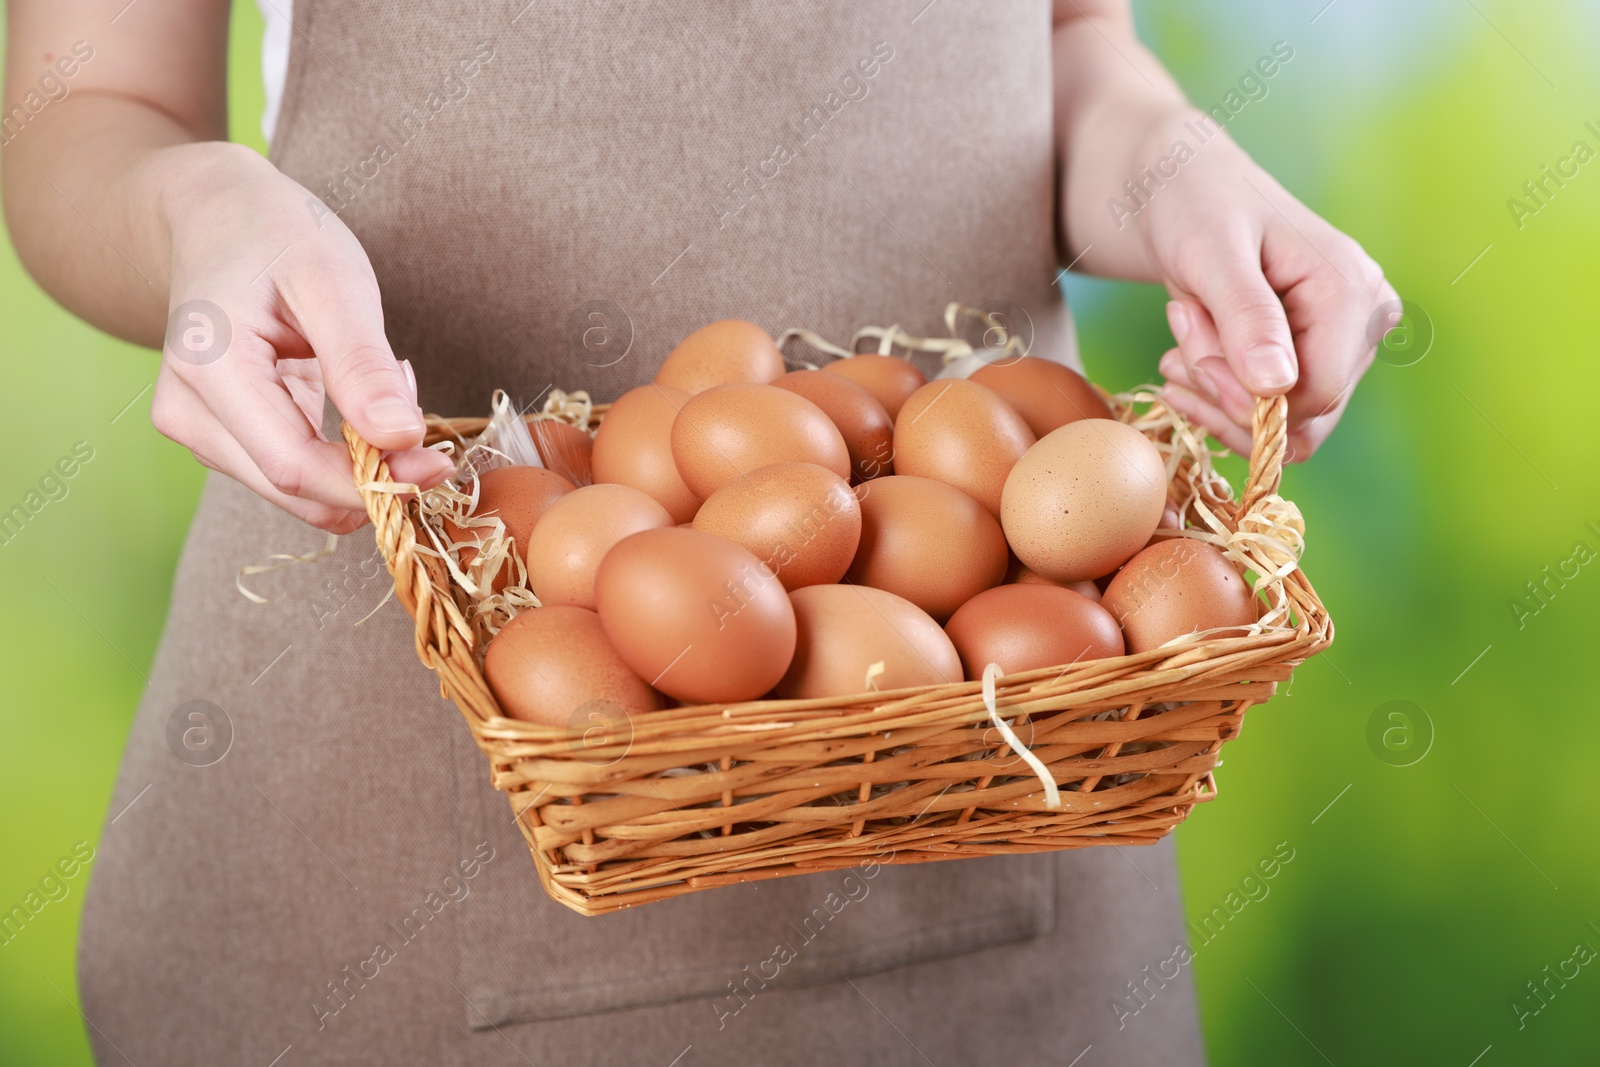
1267,297
126,202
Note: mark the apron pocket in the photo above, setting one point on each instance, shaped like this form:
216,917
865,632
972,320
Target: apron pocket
524,957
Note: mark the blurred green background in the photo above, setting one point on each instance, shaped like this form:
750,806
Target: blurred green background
1438,869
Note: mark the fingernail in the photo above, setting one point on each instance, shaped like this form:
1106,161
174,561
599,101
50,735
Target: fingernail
1203,380
1270,367
392,414
1178,319
411,377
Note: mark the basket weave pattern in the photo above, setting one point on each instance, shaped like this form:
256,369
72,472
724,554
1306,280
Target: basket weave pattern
695,797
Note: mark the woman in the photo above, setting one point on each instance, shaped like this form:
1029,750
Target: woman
454,196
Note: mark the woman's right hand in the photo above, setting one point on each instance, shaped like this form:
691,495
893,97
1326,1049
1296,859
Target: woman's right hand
273,305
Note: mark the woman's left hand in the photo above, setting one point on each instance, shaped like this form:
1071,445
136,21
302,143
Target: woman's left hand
1267,298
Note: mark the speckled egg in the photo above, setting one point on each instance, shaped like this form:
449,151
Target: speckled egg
1084,499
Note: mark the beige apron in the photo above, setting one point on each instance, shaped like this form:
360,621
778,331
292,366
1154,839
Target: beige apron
552,195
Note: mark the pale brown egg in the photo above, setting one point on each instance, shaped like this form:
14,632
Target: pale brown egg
962,434
1177,587
845,629
1045,393
800,519
634,447
1084,499
1017,574
867,430
565,548
731,350
1024,627
890,379
564,448
553,665
518,496
928,542
698,617
730,430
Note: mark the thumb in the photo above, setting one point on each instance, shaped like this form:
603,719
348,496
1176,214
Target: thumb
1250,320
343,323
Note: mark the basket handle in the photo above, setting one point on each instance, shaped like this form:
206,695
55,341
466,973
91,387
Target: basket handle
1269,439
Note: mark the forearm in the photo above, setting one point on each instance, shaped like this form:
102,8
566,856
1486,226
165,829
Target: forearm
86,187
1117,110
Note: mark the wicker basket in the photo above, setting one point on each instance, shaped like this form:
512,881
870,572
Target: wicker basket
696,797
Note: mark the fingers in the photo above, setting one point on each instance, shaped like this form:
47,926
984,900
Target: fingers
1250,320
1200,353
1197,410
1332,302
336,307
244,393
179,414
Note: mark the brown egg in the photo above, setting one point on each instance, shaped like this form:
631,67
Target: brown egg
867,430
1024,627
730,430
553,664
928,542
565,548
1084,499
518,496
845,629
961,434
1017,574
1177,587
1045,393
564,448
696,616
634,447
800,519
728,351
888,378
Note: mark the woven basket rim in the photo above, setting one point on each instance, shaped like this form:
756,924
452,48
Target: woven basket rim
392,524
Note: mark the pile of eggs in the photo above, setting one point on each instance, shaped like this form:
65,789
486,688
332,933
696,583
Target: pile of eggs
742,531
